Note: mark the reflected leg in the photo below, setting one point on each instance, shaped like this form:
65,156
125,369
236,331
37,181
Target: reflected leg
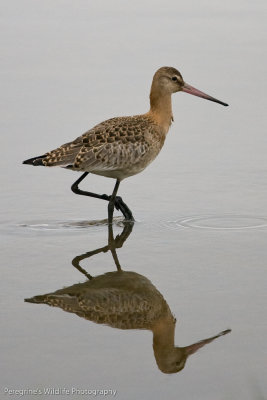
113,244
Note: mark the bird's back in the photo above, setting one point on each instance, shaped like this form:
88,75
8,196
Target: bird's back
117,148
124,300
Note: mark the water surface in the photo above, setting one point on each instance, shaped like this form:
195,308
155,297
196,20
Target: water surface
200,208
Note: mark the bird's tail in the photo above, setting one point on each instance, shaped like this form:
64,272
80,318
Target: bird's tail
36,299
35,160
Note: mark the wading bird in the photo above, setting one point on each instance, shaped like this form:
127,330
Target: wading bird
123,146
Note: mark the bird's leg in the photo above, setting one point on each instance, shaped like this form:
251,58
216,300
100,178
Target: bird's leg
111,203
119,203
75,189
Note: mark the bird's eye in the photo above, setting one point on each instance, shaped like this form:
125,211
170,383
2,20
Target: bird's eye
174,78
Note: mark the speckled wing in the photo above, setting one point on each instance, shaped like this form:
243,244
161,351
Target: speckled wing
115,307
64,155
117,144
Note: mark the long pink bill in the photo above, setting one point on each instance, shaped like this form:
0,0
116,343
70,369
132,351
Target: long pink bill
195,92
193,348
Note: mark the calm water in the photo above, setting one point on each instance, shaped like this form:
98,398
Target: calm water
199,241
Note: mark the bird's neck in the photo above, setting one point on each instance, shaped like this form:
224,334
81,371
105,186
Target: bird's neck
163,334
161,108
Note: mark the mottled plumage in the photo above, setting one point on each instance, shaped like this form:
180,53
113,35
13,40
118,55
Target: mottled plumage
124,300
116,148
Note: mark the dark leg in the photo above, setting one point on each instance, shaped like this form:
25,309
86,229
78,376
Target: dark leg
75,189
119,203
111,203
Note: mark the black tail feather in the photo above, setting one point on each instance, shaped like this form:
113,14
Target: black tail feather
35,160
35,299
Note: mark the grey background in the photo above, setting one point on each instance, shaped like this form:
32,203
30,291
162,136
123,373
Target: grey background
66,66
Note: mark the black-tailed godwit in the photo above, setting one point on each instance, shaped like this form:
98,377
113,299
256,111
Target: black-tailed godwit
123,146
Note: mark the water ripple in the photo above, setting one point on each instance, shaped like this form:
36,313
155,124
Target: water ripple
69,225
219,222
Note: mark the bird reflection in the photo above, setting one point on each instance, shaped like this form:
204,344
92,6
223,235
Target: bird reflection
125,300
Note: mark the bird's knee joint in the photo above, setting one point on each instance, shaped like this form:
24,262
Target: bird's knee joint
105,197
74,188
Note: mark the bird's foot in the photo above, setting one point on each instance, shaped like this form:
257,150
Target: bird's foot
120,206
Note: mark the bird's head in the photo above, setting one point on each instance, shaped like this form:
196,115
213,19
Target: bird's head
171,359
168,80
